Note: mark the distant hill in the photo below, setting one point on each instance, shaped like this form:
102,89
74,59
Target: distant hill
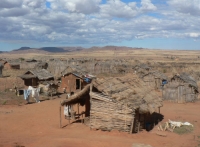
68,49
2,52
46,50
53,49
23,48
61,49
117,48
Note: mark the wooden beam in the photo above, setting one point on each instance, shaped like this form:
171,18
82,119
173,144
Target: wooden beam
139,124
60,118
78,111
131,130
138,127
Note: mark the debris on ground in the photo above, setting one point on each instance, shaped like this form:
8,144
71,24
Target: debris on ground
172,125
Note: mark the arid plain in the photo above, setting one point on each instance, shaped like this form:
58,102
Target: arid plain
37,124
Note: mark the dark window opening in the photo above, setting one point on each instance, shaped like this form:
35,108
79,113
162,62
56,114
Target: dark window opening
78,84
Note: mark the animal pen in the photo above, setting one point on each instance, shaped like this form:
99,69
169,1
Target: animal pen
122,103
181,89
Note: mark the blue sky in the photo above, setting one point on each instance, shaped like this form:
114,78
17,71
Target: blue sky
157,24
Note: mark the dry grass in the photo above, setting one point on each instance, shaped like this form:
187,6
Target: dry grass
183,130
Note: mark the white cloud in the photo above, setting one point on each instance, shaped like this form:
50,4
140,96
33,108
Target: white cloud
191,7
89,21
78,6
117,8
194,35
147,6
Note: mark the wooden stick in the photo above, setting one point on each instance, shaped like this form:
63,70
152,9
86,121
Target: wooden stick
60,118
131,130
138,127
78,108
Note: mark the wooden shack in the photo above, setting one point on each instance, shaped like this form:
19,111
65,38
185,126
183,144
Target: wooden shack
181,89
41,65
122,103
31,60
72,80
11,65
34,77
3,61
195,75
154,79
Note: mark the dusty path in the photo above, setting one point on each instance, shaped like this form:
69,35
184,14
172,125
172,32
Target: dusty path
37,125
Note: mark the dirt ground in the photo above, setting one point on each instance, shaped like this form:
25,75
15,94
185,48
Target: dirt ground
37,124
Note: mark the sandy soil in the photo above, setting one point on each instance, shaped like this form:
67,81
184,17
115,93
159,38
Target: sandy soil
37,124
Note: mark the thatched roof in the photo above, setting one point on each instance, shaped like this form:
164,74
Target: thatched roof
129,89
77,70
142,67
156,74
159,75
74,98
14,64
41,65
187,79
41,74
31,60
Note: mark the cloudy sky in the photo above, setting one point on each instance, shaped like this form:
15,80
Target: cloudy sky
160,24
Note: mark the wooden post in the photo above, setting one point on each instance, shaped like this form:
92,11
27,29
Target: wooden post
91,85
78,108
69,116
139,124
131,131
80,85
138,127
60,117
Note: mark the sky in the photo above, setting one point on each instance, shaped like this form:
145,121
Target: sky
154,24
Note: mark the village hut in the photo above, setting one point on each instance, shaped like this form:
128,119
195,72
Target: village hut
195,75
181,89
12,65
154,79
31,60
142,68
122,103
56,66
73,79
34,77
41,65
3,61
